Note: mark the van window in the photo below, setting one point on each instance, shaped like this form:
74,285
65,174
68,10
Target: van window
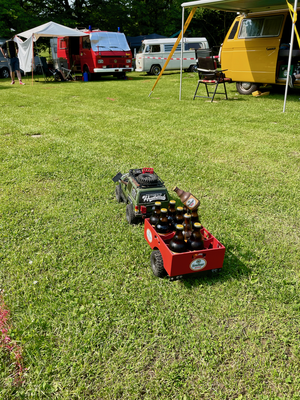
155,48
169,47
86,43
233,30
62,44
193,46
261,27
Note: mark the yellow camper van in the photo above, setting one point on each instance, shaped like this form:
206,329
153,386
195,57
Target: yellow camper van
256,50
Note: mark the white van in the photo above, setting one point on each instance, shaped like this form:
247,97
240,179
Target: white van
153,53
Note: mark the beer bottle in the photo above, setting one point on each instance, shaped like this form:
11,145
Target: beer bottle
172,213
162,227
179,216
187,227
177,244
195,218
155,214
195,242
185,209
187,198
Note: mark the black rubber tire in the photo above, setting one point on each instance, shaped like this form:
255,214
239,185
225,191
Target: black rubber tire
215,272
193,68
130,216
5,73
118,193
157,264
246,87
146,178
155,69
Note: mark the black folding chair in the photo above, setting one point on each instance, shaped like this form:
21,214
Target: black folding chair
49,73
209,74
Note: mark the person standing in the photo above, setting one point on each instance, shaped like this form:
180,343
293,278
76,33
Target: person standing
10,51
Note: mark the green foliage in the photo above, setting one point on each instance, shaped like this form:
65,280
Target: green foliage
211,24
134,17
93,321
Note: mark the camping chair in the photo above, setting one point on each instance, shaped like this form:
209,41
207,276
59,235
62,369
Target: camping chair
68,74
49,73
62,64
209,74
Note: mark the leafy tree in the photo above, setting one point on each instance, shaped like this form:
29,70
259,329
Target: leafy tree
134,17
211,24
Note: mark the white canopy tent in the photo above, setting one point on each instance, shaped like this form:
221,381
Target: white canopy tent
244,6
50,29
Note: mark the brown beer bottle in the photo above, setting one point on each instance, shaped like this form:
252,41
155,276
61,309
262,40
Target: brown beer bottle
177,244
195,218
185,210
155,214
187,198
187,227
179,215
172,213
195,242
162,227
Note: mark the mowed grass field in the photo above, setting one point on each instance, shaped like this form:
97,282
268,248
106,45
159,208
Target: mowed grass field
91,319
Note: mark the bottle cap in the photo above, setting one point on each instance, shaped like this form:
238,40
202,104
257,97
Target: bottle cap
164,210
172,202
187,215
197,225
180,208
158,203
180,227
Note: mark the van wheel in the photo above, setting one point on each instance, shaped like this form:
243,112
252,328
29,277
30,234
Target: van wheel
155,69
246,87
5,73
193,68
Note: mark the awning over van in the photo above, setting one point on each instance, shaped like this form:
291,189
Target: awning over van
239,5
245,6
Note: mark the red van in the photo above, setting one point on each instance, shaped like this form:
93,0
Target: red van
98,53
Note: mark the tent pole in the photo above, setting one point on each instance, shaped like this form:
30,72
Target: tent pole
290,57
32,61
181,61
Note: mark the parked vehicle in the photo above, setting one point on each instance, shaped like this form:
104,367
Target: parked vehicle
4,67
140,188
98,53
153,53
256,49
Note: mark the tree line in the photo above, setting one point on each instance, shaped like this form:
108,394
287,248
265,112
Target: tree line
133,17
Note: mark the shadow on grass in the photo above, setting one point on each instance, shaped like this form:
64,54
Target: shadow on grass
233,268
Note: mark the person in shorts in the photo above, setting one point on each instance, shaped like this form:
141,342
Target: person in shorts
10,51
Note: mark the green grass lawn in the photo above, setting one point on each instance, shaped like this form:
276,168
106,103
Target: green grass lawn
92,320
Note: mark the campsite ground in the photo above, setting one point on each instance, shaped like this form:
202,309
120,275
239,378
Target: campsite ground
92,320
